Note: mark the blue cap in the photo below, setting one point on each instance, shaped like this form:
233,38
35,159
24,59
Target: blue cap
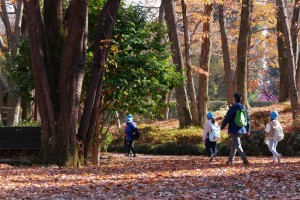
274,114
129,115
210,115
128,119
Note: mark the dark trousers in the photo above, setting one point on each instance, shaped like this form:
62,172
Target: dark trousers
211,148
130,146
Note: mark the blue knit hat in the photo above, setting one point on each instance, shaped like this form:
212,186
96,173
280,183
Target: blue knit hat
210,115
274,115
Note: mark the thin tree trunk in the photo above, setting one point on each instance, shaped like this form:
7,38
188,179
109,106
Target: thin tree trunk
165,110
295,28
105,24
95,146
11,49
242,49
161,15
226,57
298,74
283,82
294,37
204,64
42,94
180,91
188,63
290,63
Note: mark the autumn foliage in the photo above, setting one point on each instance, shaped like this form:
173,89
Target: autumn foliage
155,177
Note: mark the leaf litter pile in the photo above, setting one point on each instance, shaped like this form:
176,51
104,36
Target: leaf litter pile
155,177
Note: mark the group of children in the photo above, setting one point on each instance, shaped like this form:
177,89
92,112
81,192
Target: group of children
273,134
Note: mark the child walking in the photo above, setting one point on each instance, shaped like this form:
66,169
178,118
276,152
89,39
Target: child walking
211,147
273,135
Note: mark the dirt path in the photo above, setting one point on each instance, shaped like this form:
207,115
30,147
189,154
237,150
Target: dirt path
155,177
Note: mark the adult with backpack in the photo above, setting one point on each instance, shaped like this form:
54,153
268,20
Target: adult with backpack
211,134
130,129
238,121
274,134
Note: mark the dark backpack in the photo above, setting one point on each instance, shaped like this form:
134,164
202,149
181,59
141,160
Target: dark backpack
240,118
136,134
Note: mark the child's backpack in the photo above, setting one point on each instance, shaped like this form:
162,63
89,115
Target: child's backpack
240,118
136,134
275,133
215,134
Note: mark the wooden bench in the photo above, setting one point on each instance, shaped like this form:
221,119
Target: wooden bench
20,137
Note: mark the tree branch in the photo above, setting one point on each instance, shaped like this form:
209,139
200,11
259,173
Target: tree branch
3,47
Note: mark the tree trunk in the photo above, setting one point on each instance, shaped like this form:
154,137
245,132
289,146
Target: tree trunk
188,63
295,28
204,64
165,110
105,24
242,49
180,92
298,75
11,99
291,67
283,83
294,38
26,107
97,141
226,57
56,100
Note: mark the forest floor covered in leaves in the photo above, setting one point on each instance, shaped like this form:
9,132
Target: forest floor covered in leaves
155,177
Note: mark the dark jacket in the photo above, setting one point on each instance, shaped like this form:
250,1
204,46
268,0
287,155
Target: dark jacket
130,128
229,119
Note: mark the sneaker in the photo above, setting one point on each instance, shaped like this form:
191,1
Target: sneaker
229,163
274,161
246,162
134,155
214,159
279,158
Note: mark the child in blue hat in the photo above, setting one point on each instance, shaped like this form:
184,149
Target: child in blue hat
128,130
273,135
211,146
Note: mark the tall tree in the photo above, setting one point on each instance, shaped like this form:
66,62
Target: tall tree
295,27
282,61
188,63
204,62
58,56
180,91
226,56
291,67
242,49
167,98
9,99
294,38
